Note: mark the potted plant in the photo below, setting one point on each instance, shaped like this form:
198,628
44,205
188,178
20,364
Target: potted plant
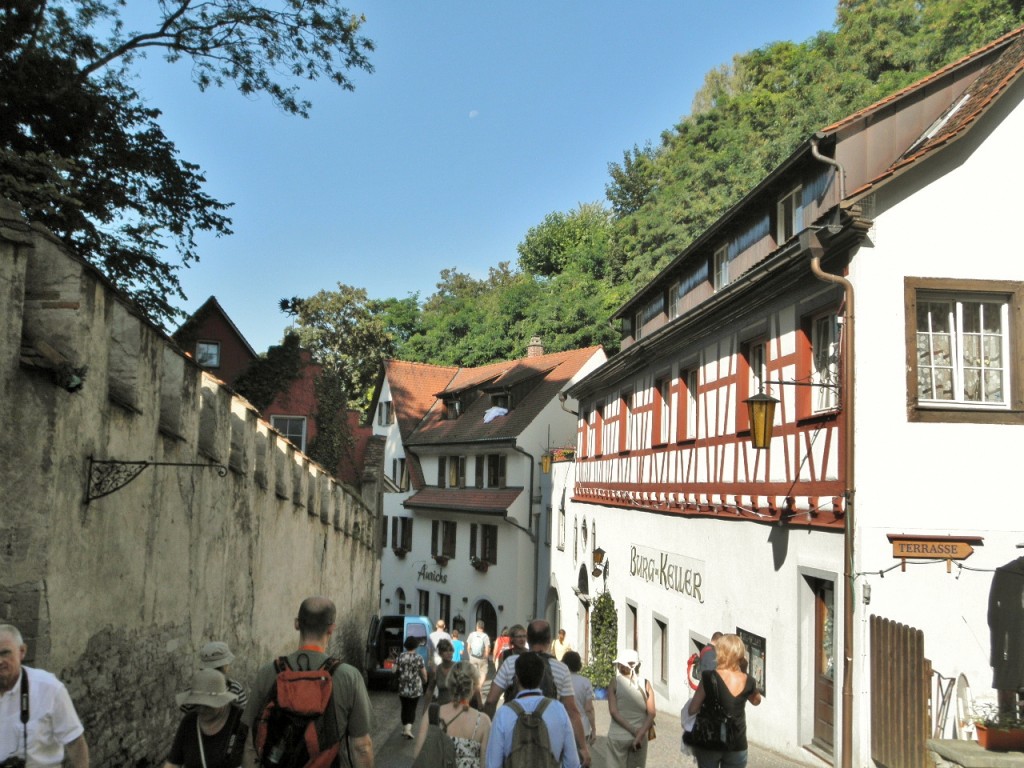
604,633
400,552
440,559
998,731
480,565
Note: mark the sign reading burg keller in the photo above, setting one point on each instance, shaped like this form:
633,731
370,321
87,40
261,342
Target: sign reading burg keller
668,570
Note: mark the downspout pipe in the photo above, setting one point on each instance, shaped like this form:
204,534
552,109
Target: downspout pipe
817,250
534,536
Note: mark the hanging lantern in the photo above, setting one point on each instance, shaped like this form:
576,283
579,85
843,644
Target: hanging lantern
761,410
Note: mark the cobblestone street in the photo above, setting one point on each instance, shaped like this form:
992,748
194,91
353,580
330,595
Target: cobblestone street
392,751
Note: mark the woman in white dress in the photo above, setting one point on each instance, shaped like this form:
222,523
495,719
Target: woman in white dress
467,727
632,710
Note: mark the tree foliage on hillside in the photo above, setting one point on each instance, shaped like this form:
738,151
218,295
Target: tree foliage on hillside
82,153
575,268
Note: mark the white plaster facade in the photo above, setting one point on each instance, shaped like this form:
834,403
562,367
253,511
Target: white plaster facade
708,504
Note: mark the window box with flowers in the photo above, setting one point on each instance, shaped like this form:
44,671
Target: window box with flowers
998,731
440,559
400,552
480,565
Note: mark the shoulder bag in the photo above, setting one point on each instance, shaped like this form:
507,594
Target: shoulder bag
711,727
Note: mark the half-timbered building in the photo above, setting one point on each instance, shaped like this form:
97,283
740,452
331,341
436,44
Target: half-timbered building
871,288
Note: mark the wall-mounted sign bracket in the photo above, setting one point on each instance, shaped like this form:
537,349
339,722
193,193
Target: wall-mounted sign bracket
107,475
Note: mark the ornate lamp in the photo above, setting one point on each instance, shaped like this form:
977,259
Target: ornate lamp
761,409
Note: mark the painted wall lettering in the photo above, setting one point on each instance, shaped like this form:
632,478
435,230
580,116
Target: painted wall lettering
669,570
425,575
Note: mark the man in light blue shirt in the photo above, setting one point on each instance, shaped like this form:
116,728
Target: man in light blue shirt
529,671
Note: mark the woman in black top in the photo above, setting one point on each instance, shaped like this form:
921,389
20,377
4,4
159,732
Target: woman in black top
211,736
733,688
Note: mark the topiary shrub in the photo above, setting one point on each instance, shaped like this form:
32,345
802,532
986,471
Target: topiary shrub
604,633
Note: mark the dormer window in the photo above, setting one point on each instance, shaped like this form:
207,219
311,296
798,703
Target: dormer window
452,408
672,300
721,268
789,217
502,400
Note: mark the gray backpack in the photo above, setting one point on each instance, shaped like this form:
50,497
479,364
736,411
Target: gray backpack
438,749
531,745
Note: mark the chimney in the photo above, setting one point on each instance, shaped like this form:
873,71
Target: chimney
536,349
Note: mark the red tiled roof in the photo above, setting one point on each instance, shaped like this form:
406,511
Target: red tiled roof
483,501
552,372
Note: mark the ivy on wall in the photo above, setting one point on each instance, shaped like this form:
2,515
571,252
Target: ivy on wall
271,373
604,632
333,441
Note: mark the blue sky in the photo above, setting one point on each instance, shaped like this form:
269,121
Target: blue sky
480,119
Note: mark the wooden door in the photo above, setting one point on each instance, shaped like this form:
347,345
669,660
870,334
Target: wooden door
824,665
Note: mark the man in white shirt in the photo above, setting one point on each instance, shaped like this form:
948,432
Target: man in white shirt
52,726
529,670
478,646
437,636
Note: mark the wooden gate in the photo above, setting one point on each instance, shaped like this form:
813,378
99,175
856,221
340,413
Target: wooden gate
900,695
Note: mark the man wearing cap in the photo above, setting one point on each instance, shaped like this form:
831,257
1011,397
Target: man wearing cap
50,727
351,703
212,734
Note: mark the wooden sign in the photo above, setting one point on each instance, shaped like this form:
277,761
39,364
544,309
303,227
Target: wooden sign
946,548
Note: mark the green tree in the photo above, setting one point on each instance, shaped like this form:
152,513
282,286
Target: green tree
579,237
348,334
83,155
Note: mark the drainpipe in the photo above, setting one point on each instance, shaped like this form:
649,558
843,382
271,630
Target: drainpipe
533,536
817,250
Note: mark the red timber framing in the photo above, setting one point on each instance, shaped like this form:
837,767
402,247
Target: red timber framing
709,467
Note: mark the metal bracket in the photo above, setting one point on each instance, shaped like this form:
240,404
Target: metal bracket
107,476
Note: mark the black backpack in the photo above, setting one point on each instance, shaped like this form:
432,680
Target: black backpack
547,682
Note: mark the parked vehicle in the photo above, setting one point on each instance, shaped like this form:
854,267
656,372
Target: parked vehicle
386,640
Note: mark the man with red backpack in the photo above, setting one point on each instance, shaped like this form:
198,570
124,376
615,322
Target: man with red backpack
308,710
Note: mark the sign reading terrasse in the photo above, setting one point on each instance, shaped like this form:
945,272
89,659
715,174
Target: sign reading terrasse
938,547
668,570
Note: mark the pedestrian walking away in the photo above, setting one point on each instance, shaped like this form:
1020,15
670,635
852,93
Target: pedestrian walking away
439,634
515,734
38,722
346,722
505,681
458,646
468,728
584,691
412,677
478,646
727,689
632,709
211,734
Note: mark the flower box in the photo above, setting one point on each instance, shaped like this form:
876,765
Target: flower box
440,559
1000,739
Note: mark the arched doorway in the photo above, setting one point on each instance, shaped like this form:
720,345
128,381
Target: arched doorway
485,612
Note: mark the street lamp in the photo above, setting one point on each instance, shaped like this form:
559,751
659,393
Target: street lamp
761,410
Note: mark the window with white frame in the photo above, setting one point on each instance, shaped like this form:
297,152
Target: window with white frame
401,533
720,269
788,216
672,299
385,413
442,538
963,350
293,428
758,369
483,542
689,378
208,354
663,394
400,474
496,470
825,345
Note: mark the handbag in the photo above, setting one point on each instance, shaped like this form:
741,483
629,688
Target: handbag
711,726
651,733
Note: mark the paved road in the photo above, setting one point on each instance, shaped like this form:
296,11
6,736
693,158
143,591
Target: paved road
392,751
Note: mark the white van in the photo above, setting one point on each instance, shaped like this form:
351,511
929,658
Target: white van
386,640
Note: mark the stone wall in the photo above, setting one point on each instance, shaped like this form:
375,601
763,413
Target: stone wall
116,593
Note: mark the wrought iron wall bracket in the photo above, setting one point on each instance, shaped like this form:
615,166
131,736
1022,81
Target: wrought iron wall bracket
107,476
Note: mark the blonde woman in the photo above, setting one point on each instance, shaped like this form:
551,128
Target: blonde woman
732,688
632,710
469,728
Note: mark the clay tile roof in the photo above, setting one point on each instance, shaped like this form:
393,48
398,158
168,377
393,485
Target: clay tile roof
551,372
481,501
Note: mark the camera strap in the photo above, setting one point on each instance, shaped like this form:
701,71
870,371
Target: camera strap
24,709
